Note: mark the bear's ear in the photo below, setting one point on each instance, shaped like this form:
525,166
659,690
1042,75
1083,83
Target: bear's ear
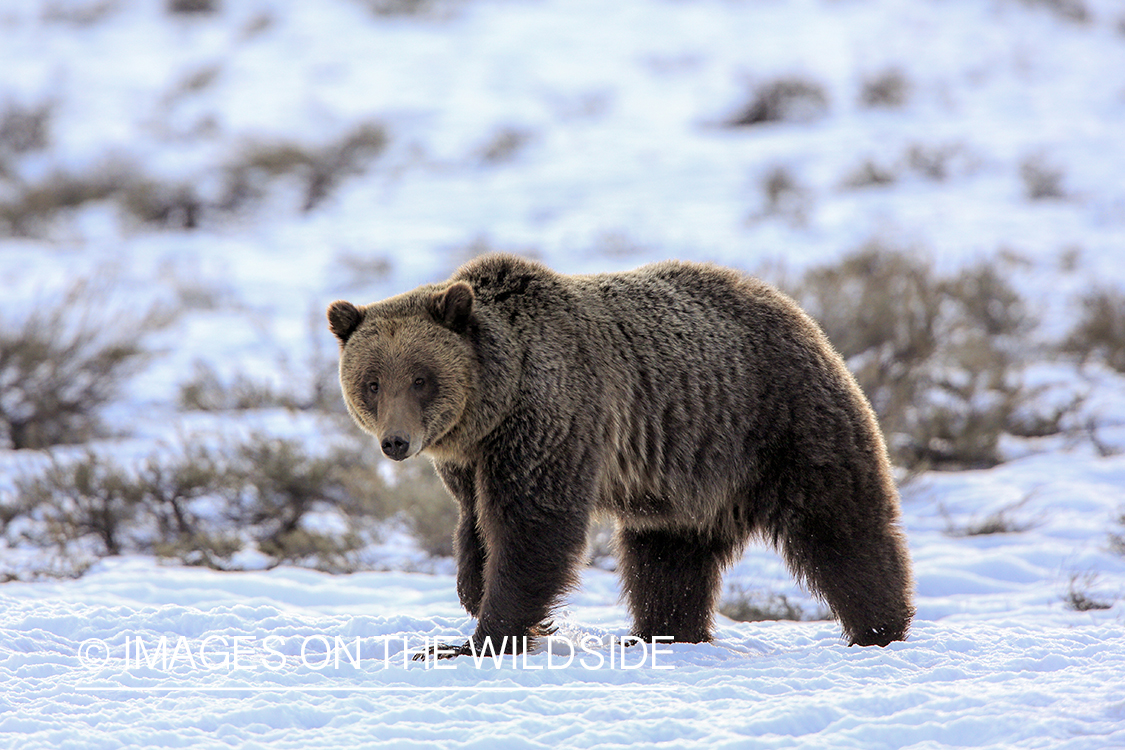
343,319
452,307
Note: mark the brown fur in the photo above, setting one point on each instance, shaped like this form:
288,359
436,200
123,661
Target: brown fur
698,406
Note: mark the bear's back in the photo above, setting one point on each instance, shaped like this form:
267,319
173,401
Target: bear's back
688,378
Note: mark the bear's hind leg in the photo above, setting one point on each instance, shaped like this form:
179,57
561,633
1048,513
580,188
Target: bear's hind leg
671,579
864,576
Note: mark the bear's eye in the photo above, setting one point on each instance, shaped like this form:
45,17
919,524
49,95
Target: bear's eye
419,382
373,386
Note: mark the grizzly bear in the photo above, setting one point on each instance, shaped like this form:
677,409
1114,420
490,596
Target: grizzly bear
698,406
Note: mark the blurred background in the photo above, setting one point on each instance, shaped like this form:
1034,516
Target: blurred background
186,184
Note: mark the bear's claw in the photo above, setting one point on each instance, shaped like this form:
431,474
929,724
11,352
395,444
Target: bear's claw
443,651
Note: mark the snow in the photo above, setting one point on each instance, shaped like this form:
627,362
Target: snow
993,661
620,156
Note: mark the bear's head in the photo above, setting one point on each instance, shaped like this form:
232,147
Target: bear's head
406,365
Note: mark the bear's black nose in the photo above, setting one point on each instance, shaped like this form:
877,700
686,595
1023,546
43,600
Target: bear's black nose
395,446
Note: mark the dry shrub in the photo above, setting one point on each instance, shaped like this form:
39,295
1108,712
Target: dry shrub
1069,10
25,128
504,145
154,508
790,99
1100,331
931,162
318,389
1078,597
206,391
330,553
35,205
62,363
1117,539
785,196
198,80
888,89
90,497
162,205
280,487
749,605
313,387
201,506
178,205
427,509
257,24
875,300
78,13
939,358
1041,180
275,484
601,545
870,174
192,7
320,169
401,7
998,522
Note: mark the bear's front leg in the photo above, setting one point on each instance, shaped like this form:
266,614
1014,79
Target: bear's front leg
533,513
468,548
470,564
470,647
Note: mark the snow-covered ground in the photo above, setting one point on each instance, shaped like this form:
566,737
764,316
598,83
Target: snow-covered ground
591,135
994,661
270,658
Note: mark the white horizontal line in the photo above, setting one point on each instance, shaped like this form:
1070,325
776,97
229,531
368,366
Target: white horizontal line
359,688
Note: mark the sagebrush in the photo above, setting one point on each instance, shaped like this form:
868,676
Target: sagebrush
785,99
940,357
750,605
266,496
1100,330
62,362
